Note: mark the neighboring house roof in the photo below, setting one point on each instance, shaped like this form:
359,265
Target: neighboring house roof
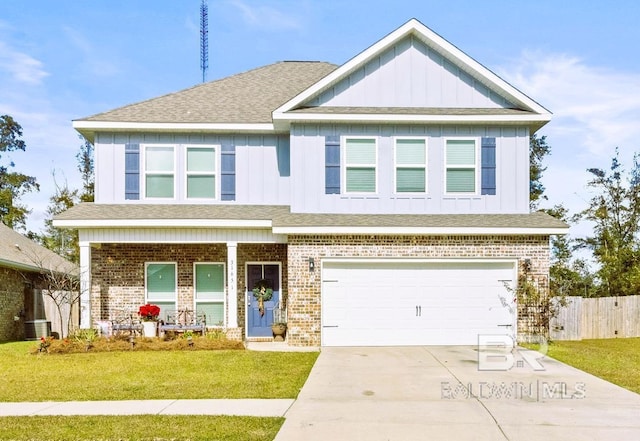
245,98
20,252
282,221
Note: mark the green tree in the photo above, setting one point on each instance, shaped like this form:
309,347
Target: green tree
538,149
614,212
567,276
13,185
86,169
62,241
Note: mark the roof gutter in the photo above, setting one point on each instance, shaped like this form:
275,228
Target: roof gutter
431,231
88,129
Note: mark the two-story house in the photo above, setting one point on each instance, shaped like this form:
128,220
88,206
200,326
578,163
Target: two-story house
385,201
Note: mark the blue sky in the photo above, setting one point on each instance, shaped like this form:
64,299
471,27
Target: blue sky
67,59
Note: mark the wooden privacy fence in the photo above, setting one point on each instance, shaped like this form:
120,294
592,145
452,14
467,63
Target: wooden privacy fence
599,317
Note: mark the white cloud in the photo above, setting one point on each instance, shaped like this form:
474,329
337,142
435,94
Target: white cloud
594,110
50,140
21,67
599,107
266,17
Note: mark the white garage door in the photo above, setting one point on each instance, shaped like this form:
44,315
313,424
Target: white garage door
385,303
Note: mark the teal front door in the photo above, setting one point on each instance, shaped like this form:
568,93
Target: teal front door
259,321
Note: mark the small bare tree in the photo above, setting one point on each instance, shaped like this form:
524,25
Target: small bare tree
64,290
59,281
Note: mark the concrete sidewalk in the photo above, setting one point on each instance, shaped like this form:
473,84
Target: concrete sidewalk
245,407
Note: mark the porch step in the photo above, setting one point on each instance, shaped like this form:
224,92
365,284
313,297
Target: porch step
259,339
278,346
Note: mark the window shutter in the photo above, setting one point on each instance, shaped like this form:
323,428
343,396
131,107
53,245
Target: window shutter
228,172
132,171
332,164
488,146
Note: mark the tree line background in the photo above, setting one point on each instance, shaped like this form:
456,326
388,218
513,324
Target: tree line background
612,247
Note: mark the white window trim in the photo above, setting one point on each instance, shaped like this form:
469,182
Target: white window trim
216,173
143,166
344,166
224,297
146,290
396,166
476,166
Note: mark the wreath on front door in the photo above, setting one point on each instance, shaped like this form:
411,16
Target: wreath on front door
262,292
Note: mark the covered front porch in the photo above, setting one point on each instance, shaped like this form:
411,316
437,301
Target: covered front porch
185,270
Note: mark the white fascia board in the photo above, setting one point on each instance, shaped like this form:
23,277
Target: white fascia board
431,39
158,223
417,118
195,127
431,231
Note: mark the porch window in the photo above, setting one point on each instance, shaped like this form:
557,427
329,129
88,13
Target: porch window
461,166
201,172
360,165
209,292
159,171
411,165
161,286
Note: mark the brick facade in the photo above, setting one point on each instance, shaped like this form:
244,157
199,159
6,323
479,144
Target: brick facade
118,269
118,274
17,291
12,288
304,286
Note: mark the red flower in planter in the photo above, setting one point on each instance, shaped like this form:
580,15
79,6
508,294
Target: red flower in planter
149,312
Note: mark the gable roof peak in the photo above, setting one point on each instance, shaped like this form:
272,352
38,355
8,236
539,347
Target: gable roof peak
417,29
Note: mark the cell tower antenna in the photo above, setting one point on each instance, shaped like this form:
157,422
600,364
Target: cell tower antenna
204,39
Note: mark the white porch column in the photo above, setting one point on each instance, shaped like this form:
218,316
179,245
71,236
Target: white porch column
232,284
85,285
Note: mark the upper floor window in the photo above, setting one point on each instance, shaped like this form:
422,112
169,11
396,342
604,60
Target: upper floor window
360,165
411,165
461,166
201,172
159,171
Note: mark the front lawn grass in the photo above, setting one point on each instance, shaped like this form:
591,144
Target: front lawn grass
133,375
143,427
616,360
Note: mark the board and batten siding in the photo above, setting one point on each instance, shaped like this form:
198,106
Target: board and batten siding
261,177
410,74
308,171
179,235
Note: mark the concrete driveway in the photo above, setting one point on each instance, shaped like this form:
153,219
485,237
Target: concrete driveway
439,393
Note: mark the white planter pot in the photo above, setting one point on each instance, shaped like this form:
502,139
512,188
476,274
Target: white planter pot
149,329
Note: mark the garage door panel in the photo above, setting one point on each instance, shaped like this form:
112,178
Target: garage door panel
413,303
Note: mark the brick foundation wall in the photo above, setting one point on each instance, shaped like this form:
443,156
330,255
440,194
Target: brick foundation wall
304,287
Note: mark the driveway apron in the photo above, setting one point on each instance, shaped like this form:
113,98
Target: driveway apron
439,393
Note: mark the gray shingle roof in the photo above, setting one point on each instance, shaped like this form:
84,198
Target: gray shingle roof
281,216
18,251
248,97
